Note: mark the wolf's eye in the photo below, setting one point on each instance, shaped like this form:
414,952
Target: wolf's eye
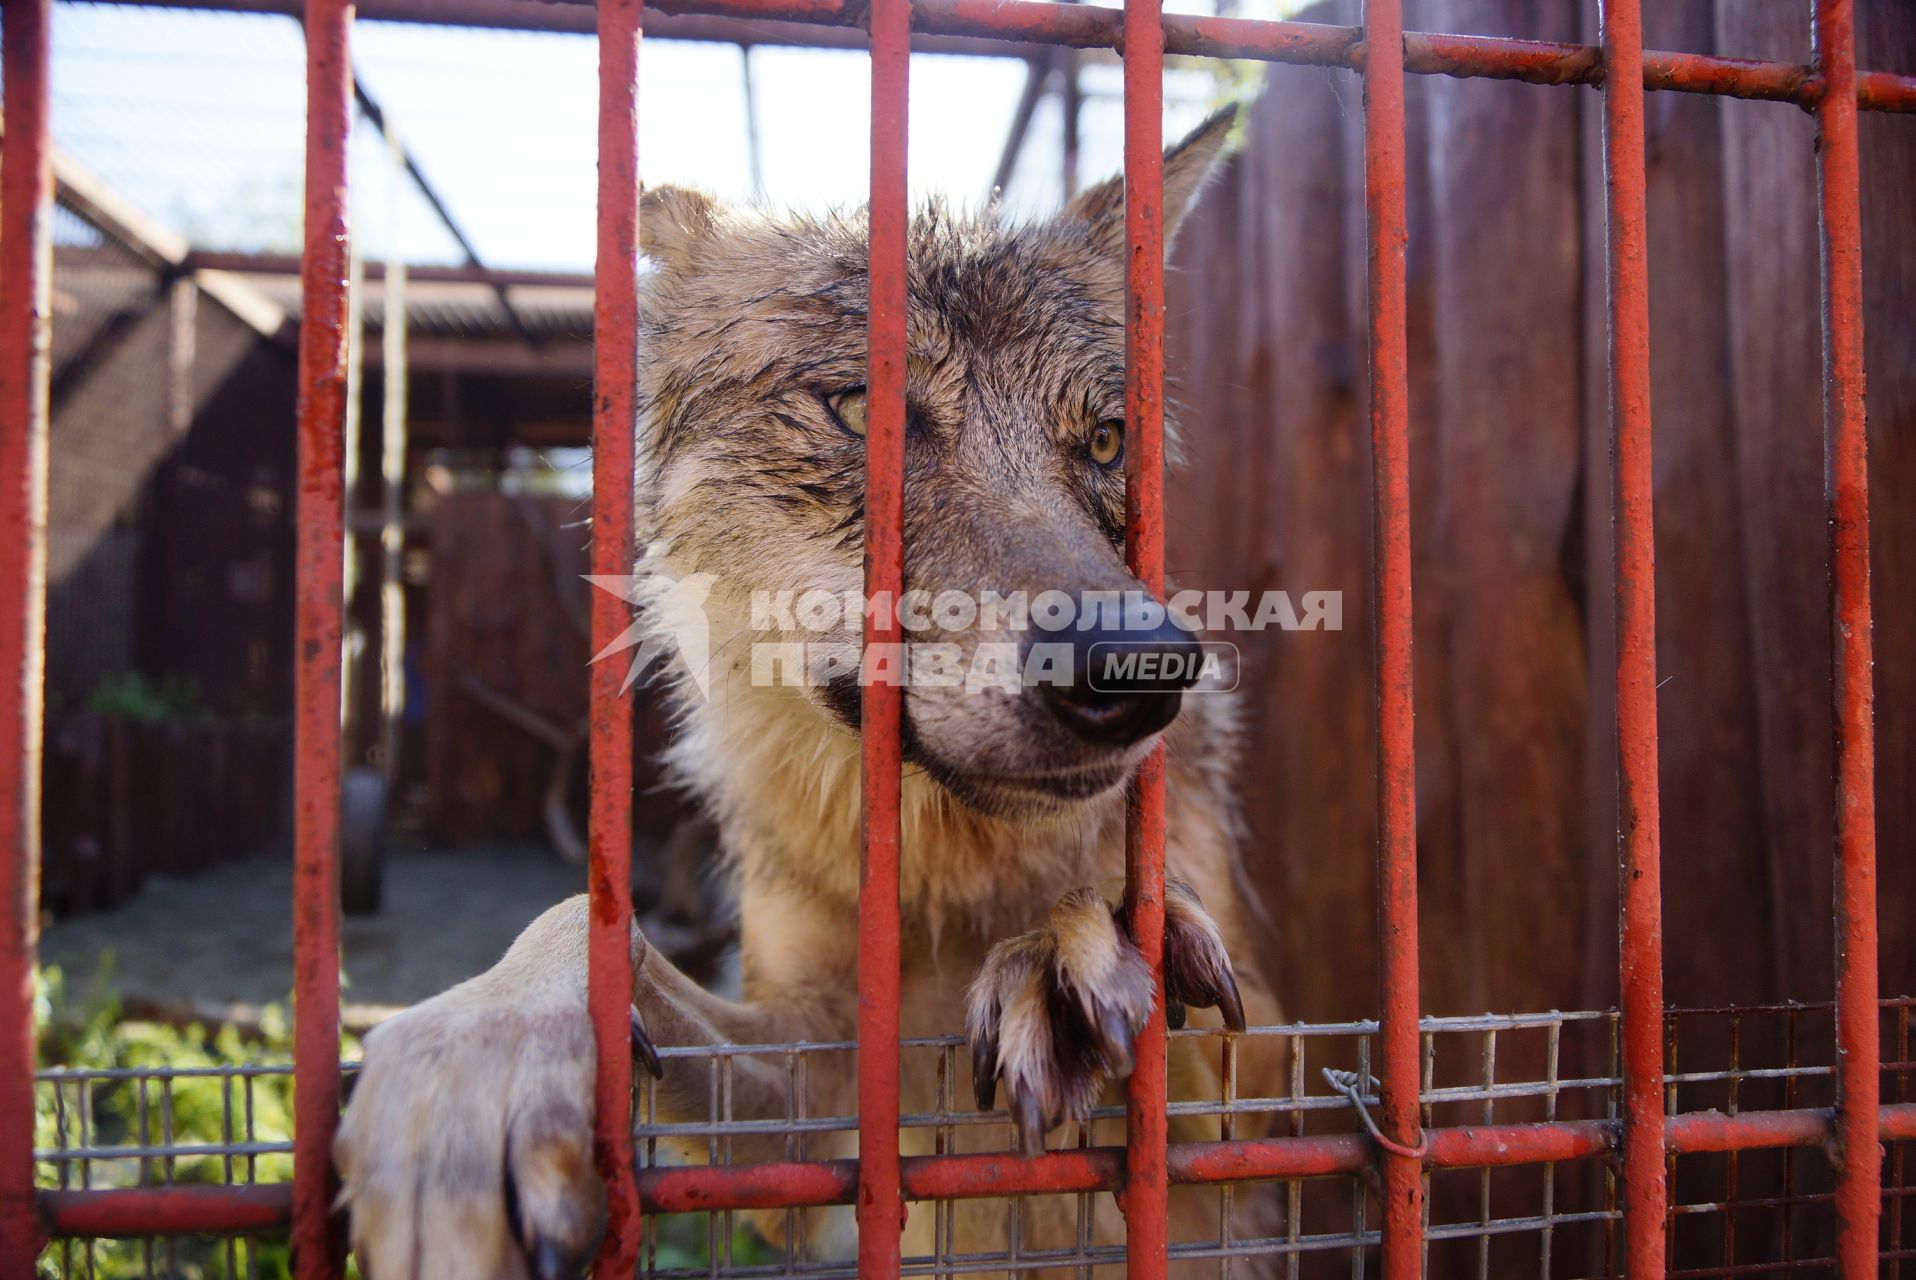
849,408
1106,444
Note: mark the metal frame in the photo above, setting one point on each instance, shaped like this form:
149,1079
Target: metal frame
880,1182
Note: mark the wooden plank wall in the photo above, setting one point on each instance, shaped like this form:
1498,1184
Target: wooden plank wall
504,623
1511,488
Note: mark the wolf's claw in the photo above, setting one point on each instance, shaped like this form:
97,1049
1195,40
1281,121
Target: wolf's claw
551,1261
1031,1124
642,1048
1197,969
984,1065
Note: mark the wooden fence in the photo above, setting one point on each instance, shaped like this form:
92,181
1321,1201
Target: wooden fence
1511,491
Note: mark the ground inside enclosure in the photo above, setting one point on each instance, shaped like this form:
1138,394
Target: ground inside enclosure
220,945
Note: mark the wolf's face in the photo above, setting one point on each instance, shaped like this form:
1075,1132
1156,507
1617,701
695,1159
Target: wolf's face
752,369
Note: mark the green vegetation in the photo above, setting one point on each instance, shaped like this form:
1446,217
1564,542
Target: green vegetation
88,1029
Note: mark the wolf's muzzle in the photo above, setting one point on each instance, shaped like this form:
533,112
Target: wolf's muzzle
1126,680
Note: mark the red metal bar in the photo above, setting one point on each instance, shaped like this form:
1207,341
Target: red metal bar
792,1185
1388,235
615,325
1708,1131
1858,1157
1146,1198
26,197
967,26
881,1205
136,1211
1481,1146
1640,946
1881,91
320,561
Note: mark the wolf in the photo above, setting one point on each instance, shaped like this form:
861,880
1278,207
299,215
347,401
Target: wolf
466,1148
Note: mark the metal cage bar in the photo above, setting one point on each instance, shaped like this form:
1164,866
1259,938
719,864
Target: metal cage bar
1856,1153
184,1210
972,27
1640,940
1146,1199
1141,1172
880,1200
319,582
26,199
615,324
1399,1042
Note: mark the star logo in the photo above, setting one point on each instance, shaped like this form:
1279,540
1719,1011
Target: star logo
676,622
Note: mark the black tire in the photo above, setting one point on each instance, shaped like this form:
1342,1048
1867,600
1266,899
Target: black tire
362,841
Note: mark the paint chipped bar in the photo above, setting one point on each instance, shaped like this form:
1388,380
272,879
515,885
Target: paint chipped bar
318,625
881,1206
615,324
1147,1195
1401,1136
1640,947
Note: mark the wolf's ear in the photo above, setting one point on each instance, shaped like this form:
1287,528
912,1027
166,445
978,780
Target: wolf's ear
674,225
1187,166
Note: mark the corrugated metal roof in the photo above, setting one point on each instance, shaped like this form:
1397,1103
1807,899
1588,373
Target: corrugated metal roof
459,309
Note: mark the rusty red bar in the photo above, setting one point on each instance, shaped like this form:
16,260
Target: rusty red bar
881,1205
26,198
1881,91
615,326
1388,234
133,1211
945,26
1640,943
1708,1131
320,561
1856,1153
1146,1199
214,1210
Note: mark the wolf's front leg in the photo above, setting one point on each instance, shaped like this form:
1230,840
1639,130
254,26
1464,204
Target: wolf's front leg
466,1152
1055,1013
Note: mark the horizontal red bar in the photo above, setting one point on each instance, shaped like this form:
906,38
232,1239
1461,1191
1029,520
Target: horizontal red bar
1254,1160
1494,1146
1317,44
1882,91
754,1186
1697,1132
153,1211
161,1211
795,1184
1094,27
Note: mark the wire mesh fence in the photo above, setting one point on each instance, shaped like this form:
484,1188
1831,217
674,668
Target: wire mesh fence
1734,1213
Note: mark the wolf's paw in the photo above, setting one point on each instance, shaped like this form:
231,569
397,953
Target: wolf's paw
466,1153
1055,1013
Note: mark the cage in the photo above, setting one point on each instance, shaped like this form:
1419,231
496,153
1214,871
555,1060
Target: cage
1646,1125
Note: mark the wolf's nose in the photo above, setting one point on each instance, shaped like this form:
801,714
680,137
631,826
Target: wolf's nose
1127,678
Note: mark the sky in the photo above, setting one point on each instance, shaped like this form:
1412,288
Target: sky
198,119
